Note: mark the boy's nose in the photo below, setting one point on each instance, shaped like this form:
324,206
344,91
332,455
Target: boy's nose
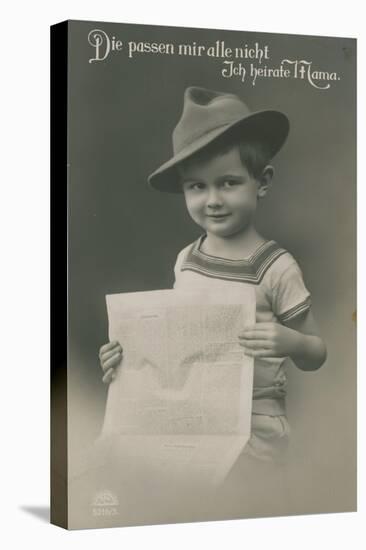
214,199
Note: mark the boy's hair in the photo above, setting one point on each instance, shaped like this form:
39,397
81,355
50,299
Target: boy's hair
253,154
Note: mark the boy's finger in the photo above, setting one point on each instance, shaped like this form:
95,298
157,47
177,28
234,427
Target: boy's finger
112,362
108,347
259,353
108,354
257,345
252,334
265,324
258,327
108,377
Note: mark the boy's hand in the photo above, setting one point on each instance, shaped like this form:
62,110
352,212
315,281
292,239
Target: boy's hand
110,356
269,340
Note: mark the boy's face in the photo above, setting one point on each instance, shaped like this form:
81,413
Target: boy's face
221,195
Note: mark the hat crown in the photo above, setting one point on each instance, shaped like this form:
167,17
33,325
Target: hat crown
207,115
205,111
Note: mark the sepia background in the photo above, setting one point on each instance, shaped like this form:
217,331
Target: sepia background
125,237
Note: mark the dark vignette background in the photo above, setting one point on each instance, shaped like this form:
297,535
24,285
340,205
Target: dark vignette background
125,237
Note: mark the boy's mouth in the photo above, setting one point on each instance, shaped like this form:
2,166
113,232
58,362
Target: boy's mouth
218,216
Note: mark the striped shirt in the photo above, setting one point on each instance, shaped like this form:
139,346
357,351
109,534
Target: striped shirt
281,296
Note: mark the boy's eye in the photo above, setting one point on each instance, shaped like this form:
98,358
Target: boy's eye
197,185
229,183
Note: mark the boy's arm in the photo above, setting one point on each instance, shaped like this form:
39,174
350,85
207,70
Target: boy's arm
309,353
295,333
297,338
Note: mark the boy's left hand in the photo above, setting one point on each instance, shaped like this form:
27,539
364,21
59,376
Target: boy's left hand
269,340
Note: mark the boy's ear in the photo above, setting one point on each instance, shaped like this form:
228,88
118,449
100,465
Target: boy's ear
265,181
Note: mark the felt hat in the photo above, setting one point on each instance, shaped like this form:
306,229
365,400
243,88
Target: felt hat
209,115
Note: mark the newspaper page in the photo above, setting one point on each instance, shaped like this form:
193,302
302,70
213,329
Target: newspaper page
180,403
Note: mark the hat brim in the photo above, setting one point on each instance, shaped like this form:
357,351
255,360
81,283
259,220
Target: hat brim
269,127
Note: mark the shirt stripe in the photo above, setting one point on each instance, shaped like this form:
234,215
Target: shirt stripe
250,270
295,311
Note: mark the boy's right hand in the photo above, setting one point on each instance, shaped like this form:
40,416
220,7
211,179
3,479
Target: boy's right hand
110,356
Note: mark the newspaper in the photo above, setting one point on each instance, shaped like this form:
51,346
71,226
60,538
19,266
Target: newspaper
180,404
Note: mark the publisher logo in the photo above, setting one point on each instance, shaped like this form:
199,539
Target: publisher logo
104,503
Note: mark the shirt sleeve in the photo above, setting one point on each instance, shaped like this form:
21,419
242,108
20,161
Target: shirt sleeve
177,267
290,295
176,271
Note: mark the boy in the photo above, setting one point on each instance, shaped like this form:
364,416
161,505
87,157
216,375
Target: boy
221,165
